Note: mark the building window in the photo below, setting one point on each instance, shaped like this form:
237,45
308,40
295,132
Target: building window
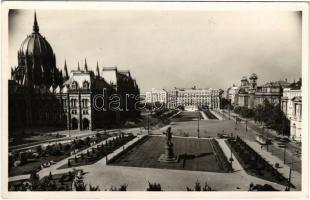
74,112
85,103
86,85
65,102
73,103
85,112
74,85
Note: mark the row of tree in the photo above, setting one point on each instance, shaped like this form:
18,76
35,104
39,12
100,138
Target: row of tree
268,114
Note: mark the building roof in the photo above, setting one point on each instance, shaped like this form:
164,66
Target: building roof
297,99
35,44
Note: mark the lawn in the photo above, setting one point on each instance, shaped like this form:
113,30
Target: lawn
194,154
187,116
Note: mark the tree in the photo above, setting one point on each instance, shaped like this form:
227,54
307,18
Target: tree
121,188
225,103
237,109
198,187
154,187
259,113
93,188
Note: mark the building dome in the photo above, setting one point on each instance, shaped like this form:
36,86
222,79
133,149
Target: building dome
35,44
36,61
253,76
244,79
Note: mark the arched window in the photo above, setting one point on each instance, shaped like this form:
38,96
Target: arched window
73,103
86,85
85,103
293,130
74,85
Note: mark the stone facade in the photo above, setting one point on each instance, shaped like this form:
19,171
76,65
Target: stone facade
291,105
155,95
199,97
250,95
41,95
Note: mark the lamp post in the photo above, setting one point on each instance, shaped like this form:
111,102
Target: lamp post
267,139
284,154
148,123
198,124
246,125
231,158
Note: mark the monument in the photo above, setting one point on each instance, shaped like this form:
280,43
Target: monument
168,156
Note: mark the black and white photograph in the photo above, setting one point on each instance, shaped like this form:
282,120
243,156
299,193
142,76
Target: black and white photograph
160,98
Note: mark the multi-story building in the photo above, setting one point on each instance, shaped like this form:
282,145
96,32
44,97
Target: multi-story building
30,100
250,95
186,97
172,99
291,105
199,97
271,91
41,95
232,94
156,95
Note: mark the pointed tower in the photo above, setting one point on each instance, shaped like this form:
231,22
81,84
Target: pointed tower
85,65
35,27
66,71
78,66
12,73
97,69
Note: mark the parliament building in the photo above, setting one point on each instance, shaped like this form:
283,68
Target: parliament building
40,94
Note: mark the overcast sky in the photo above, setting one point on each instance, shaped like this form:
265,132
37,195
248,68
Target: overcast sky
163,49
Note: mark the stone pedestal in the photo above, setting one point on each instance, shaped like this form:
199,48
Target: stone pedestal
168,156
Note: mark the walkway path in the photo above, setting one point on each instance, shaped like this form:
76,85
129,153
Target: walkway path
172,180
219,117
274,149
137,178
203,114
284,169
54,168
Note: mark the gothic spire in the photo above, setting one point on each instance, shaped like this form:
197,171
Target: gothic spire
98,73
85,66
78,66
35,24
66,71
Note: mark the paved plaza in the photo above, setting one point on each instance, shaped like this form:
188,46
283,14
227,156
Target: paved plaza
139,164
194,154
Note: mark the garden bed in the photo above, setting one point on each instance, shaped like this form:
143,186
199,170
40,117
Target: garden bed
253,163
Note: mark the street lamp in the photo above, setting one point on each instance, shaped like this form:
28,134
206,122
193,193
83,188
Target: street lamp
148,123
284,155
198,124
231,158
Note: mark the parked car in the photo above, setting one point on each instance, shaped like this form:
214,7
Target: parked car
281,145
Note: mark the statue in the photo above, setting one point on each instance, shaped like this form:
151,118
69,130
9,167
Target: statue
168,134
168,156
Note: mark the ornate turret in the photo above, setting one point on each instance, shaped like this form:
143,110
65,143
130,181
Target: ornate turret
35,27
97,69
85,66
78,66
66,71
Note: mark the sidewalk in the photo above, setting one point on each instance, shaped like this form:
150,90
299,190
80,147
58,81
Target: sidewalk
284,169
204,115
291,147
54,168
217,115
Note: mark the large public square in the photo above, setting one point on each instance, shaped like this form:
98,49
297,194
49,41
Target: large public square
202,156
